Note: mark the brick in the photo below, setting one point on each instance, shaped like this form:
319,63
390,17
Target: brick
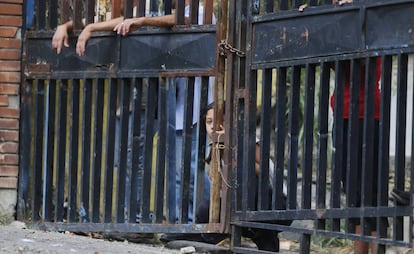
9,89
10,54
10,43
11,9
10,77
9,124
9,170
4,101
10,65
9,135
8,182
12,1
11,21
9,147
9,112
8,32
9,159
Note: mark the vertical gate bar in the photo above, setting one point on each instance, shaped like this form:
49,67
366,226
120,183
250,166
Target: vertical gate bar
77,14
90,11
400,136
86,149
64,10
123,133
293,135
201,153
187,147
238,193
208,11
194,5
153,8
269,5
180,12
161,150
73,150
41,14
307,167
110,148
61,150
323,136
171,153
401,120
167,8
149,134
280,137
305,241
52,14
384,143
313,2
337,151
142,6
99,90
24,151
49,151
116,8
128,9
297,3
228,204
352,139
218,98
283,5
249,174
37,160
250,105
411,187
370,130
265,113
137,151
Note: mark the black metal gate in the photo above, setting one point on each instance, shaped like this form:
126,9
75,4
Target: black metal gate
297,55
98,132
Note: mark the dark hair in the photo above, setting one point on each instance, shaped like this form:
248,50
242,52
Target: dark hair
211,106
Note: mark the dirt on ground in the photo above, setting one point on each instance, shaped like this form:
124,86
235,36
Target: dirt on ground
16,238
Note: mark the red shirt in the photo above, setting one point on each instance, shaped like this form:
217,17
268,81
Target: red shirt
347,92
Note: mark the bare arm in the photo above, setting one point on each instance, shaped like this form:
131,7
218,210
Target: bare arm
61,37
131,24
86,33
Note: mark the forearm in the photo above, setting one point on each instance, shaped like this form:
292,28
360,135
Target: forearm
105,25
159,21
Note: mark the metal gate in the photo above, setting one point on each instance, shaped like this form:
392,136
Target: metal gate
297,54
98,131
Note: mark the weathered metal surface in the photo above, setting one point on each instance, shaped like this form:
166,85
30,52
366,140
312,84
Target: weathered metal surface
150,52
335,30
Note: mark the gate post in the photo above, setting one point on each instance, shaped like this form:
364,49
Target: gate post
218,95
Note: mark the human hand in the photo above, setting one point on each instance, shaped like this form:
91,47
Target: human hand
60,38
82,40
128,25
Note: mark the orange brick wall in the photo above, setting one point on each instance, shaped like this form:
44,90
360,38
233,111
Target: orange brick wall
10,77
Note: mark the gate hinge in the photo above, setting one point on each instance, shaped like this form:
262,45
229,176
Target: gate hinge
224,47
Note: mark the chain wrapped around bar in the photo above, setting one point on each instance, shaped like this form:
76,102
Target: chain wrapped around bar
225,47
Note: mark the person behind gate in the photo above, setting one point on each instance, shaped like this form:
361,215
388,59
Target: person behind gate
263,238
360,247
124,27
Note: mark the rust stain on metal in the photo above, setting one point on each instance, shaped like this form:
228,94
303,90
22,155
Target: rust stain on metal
37,68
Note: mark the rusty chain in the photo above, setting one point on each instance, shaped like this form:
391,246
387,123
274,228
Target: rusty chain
224,46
